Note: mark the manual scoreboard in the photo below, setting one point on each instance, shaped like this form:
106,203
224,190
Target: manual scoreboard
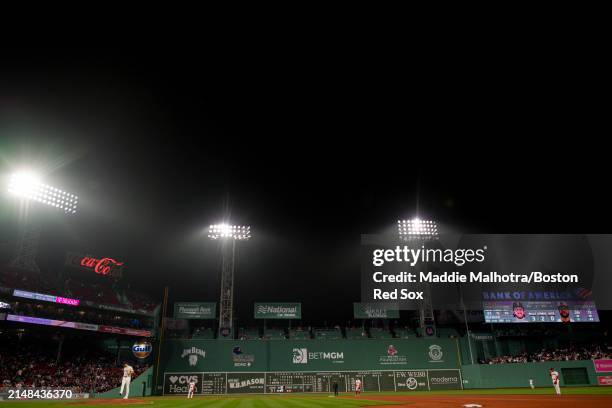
315,382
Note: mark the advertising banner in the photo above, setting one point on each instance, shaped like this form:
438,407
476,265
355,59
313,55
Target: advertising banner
101,266
604,379
214,355
118,309
178,383
201,355
413,380
79,325
444,380
243,383
195,310
45,298
603,366
390,354
375,311
278,310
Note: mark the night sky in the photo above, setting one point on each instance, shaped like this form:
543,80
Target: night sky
310,152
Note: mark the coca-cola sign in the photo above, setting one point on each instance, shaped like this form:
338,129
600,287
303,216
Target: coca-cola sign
101,266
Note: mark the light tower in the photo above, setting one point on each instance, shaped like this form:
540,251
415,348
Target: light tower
28,187
227,235
420,233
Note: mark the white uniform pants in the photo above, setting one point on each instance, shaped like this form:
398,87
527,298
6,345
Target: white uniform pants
190,393
557,388
126,383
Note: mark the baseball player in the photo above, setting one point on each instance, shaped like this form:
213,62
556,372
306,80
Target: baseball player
357,387
555,380
128,371
531,383
191,389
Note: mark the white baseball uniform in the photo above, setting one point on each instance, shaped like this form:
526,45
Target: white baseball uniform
191,389
127,379
357,385
531,384
555,380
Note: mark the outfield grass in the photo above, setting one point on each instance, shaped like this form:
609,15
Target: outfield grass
293,401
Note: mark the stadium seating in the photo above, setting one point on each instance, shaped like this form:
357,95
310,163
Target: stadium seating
356,333
299,334
328,333
99,292
203,333
28,363
26,280
139,301
447,332
274,334
405,333
249,334
379,333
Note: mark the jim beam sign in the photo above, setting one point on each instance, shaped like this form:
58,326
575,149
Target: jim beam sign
104,266
192,354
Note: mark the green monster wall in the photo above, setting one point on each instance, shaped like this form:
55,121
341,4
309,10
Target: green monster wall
294,355
518,374
219,367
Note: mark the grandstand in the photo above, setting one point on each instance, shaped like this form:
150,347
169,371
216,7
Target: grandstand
325,333
30,358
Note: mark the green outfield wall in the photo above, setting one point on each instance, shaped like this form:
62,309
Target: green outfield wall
307,355
573,373
143,381
220,367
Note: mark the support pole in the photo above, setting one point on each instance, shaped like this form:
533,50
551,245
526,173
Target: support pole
161,338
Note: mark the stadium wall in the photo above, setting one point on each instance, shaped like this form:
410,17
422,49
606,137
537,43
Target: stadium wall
255,366
308,355
135,386
572,373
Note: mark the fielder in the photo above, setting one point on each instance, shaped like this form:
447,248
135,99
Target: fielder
128,371
531,383
357,387
191,389
555,380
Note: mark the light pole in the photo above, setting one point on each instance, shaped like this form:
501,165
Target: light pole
421,232
29,188
227,235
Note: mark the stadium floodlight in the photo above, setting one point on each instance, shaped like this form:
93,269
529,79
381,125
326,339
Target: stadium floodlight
417,228
28,185
235,232
228,236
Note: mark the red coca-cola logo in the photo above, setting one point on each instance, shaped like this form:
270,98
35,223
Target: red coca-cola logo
102,266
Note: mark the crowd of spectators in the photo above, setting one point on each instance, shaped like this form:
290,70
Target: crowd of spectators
70,314
83,370
572,353
104,291
26,280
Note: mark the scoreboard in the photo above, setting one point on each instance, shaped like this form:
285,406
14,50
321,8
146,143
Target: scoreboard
323,381
315,382
213,383
496,311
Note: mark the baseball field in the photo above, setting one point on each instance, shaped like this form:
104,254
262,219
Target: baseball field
583,397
